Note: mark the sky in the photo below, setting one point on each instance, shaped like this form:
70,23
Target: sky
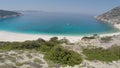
68,6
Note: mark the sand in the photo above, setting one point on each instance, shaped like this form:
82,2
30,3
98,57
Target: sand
117,26
10,36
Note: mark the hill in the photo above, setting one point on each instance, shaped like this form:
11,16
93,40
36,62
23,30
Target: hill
6,14
112,16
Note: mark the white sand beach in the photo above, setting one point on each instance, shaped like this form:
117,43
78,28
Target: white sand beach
112,34
20,37
117,26
10,36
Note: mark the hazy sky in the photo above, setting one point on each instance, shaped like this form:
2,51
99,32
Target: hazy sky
71,6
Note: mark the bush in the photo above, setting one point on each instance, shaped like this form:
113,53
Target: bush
37,60
106,39
88,38
65,57
54,39
107,55
37,44
30,45
51,48
64,40
44,48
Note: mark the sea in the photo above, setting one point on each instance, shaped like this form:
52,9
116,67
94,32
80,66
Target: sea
52,23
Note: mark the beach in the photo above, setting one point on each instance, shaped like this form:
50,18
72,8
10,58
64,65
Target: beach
10,36
20,37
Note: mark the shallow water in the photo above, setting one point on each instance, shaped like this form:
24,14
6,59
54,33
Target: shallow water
55,24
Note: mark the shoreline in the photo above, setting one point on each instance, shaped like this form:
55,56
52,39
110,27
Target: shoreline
20,37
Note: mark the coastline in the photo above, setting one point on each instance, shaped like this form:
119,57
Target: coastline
20,37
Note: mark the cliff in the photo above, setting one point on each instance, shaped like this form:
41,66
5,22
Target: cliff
6,14
112,16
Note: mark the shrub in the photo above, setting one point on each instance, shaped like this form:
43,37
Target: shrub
51,48
107,55
22,63
37,60
65,57
88,38
64,40
106,39
29,56
30,45
54,39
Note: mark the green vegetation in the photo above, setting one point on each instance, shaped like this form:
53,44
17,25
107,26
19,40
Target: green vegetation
51,48
21,64
2,60
88,38
20,57
13,59
60,55
37,60
107,55
7,66
29,56
106,39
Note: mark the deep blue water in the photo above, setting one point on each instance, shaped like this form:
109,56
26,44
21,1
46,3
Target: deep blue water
55,23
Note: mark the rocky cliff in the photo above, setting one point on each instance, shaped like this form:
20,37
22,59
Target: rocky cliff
6,14
112,16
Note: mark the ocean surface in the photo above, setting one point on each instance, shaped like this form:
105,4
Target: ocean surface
55,24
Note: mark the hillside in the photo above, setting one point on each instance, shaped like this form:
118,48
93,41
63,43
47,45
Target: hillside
112,16
6,14
60,53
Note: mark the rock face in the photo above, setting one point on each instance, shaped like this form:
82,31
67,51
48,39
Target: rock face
112,16
6,14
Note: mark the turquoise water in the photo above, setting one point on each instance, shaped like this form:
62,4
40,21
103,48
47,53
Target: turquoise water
55,24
